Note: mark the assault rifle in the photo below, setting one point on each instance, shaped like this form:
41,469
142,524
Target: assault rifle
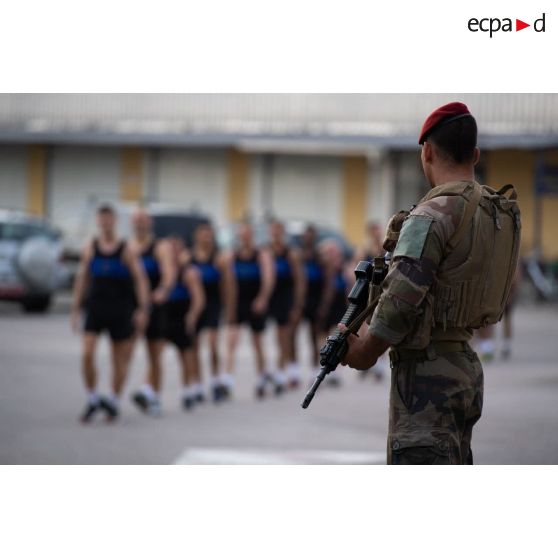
362,300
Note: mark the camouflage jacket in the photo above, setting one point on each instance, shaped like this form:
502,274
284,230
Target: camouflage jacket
403,316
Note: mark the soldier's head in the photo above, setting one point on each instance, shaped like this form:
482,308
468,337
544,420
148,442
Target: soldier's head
142,223
449,144
106,220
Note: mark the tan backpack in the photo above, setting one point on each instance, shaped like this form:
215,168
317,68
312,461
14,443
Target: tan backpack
474,293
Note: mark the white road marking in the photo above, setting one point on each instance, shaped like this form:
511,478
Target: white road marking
252,456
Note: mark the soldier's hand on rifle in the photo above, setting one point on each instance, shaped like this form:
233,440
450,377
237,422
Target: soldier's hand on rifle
363,351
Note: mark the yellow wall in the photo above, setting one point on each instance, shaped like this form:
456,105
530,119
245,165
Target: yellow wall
517,167
549,217
237,185
131,179
36,179
354,198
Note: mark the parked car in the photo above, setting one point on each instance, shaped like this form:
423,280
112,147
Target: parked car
31,269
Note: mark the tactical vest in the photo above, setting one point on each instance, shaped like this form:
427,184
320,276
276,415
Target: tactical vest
474,278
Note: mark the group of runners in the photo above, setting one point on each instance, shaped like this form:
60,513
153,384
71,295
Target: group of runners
158,291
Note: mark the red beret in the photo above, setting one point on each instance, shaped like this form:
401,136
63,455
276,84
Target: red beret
443,115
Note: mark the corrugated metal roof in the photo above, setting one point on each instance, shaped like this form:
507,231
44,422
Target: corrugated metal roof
357,120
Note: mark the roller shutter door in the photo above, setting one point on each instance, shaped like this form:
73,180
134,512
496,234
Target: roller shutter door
309,188
13,178
79,179
194,180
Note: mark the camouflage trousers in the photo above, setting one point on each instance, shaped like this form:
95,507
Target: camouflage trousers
434,403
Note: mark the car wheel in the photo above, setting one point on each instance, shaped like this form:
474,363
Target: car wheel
37,304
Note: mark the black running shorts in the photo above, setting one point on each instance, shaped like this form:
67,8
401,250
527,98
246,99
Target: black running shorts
246,316
157,323
280,306
176,325
117,321
210,316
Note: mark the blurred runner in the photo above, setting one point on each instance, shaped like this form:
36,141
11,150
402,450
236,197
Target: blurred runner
373,244
485,343
315,280
217,277
371,249
158,263
253,284
335,294
184,307
286,304
108,277
507,317
486,336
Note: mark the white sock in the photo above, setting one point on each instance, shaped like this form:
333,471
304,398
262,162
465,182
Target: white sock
198,389
188,391
148,391
262,381
114,399
226,379
280,377
92,397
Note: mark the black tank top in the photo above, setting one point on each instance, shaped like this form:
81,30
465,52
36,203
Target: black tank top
111,281
151,265
178,302
283,272
210,276
248,276
314,271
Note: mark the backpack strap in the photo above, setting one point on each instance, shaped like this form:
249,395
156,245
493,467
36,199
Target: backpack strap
502,191
468,215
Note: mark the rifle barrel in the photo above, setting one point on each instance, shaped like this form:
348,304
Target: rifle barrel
314,387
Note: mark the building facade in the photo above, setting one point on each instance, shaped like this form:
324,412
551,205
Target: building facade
337,160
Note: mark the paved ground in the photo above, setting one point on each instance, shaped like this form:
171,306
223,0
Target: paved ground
41,395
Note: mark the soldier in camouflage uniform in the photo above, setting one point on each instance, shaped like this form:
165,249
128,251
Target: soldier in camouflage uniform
430,301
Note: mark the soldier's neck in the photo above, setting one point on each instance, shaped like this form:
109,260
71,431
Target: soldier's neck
453,174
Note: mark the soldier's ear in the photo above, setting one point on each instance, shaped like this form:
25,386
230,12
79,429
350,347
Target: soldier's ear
427,152
476,156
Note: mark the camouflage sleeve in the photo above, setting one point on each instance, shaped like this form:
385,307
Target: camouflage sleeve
417,255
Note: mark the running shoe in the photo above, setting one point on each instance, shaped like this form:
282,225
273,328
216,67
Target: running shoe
226,393
279,389
110,409
89,412
188,403
278,381
218,393
141,401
